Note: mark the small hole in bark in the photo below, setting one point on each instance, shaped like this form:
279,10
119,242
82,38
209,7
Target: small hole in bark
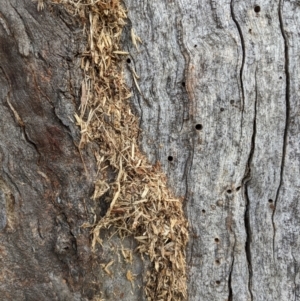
66,248
199,127
203,211
229,191
280,77
170,158
220,203
222,109
238,188
250,30
232,101
128,60
217,261
218,282
195,46
217,239
270,201
183,84
257,8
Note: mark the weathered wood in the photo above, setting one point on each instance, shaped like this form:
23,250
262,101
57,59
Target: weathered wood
231,67
286,217
218,108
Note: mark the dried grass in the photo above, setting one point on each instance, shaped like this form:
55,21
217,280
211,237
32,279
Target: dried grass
140,202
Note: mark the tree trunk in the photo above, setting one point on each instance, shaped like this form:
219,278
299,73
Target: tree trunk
217,103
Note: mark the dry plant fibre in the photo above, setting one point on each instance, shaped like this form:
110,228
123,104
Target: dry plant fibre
141,204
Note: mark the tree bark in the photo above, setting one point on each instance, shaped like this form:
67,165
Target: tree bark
218,108
45,185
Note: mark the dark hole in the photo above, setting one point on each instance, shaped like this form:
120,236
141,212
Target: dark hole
257,9
217,261
170,158
232,101
250,30
280,77
229,191
183,84
238,188
217,240
198,127
66,248
222,109
218,282
203,211
128,60
270,201
195,46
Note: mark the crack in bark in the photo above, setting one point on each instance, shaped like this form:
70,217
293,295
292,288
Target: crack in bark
230,290
247,175
186,173
186,73
246,179
243,50
229,281
21,124
248,240
34,145
18,118
230,294
287,117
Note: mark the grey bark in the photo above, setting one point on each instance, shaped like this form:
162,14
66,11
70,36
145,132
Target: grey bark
219,96
231,67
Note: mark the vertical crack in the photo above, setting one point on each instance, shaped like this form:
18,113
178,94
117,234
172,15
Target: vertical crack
16,115
246,179
287,117
229,282
187,171
189,100
243,50
248,170
230,295
248,241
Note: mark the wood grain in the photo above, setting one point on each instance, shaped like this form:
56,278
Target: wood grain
218,108
231,67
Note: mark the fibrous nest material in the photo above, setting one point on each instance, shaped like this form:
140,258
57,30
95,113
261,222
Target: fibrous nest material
140,201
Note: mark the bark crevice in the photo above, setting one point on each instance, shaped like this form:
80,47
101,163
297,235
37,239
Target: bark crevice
243,51
246,179
230,277
247,175
187,57
287,117
21,124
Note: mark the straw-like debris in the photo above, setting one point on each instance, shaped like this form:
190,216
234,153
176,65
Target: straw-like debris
140,202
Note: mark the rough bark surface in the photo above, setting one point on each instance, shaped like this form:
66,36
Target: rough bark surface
45,184
219,90
218,108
